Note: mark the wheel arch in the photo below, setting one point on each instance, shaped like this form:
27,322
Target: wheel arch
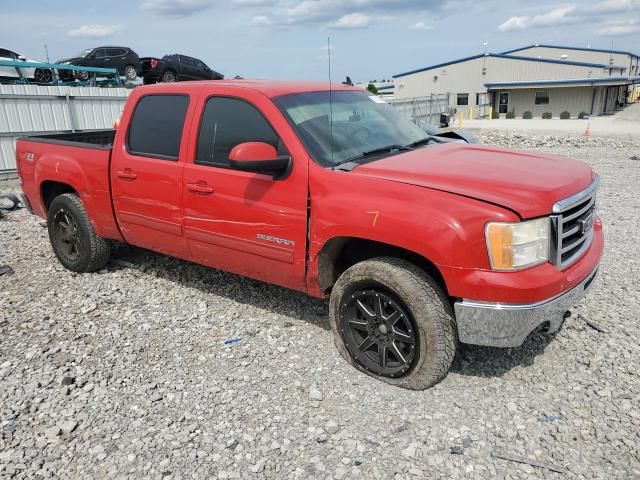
340,253
50,189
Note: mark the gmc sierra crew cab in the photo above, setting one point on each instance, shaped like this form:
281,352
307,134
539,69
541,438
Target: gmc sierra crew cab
418,242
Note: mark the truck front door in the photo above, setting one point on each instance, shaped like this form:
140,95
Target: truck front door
146,174
238,221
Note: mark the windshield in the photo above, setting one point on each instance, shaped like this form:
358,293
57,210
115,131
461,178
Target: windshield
84,53
361,123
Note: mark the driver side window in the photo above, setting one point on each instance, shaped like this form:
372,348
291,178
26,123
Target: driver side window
228,122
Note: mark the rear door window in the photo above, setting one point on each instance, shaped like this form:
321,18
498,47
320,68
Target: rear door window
156,126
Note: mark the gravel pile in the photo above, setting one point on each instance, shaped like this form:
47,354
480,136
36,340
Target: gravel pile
519,140
159,368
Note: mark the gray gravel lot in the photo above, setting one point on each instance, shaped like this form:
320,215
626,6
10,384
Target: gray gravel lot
125,374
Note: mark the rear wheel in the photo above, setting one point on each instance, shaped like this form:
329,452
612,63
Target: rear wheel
73,237
130,72
393,322
42,75
169,76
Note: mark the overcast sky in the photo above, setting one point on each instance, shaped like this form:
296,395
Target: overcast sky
286,39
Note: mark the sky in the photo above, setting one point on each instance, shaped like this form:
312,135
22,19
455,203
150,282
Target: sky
287,39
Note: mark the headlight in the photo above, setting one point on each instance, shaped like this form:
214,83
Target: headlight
513,246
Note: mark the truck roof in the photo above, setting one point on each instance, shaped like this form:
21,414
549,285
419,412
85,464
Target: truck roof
270,88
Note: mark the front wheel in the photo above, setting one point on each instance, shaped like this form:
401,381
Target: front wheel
73,237
393,322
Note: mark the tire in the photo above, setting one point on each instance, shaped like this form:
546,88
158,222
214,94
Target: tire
82,75
130,72
419,302
42,75
83,250
169,76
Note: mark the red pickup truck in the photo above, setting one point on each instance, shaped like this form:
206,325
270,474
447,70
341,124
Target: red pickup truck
418,241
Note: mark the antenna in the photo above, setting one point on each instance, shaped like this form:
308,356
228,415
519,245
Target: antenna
46,52
330,102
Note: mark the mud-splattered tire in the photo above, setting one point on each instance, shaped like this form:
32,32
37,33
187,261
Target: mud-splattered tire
408,294
73,237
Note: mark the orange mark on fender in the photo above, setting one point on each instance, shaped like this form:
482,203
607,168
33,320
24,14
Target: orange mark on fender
57,165
375,217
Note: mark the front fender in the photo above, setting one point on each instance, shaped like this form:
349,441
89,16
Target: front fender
444,228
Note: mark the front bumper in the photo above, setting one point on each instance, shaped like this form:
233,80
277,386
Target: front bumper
507,324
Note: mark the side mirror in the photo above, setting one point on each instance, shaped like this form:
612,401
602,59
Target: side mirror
260,157
93,55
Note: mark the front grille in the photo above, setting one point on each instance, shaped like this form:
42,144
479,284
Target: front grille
572,226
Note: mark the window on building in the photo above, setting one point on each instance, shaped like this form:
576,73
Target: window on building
156,126
542,98
463,99
228,122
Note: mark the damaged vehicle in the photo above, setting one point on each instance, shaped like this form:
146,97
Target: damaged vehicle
418,244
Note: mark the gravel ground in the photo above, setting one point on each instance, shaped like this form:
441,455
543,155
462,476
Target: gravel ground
125,373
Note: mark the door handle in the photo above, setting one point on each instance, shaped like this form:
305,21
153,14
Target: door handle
126,174
202,188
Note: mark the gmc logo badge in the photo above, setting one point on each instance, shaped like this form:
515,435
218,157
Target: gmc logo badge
586,223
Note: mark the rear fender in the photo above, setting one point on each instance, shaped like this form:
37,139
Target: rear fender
91,185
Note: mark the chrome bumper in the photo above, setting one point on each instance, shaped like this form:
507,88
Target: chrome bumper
507,324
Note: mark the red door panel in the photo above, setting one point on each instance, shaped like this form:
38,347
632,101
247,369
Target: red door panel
244,222
147,187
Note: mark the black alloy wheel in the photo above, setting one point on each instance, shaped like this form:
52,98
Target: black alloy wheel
67,236
379,332
168,77
42,75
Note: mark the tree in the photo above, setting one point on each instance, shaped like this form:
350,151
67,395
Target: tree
372,88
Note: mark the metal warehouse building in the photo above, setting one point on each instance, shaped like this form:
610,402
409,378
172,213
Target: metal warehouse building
537,79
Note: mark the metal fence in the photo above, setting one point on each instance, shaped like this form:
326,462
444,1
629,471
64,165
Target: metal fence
32,110
426,109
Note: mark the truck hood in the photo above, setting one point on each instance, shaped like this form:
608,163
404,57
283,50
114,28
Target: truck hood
527,183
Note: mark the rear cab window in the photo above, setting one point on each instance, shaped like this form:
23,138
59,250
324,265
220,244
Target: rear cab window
156,126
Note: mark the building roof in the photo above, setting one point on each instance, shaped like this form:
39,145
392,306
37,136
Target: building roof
602,50
563,83
509,57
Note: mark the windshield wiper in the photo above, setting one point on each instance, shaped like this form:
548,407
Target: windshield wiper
375,151
422,141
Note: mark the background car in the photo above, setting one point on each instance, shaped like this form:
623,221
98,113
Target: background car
125,60
38,75
175,68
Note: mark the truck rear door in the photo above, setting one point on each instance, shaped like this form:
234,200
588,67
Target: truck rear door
246,223
146,172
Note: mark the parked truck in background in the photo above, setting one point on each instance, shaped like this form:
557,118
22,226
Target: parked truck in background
417,242
176,68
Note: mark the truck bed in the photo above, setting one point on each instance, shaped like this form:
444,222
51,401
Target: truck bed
78,160
98,139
